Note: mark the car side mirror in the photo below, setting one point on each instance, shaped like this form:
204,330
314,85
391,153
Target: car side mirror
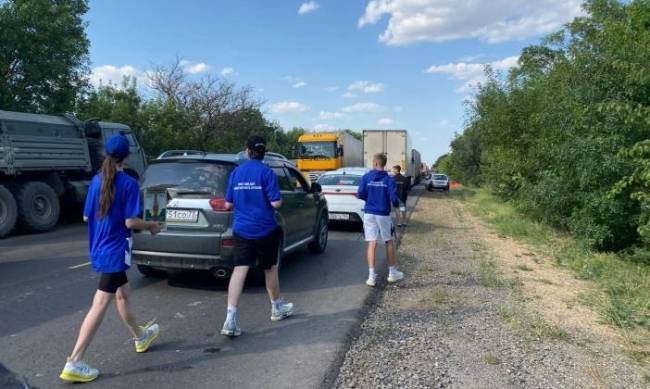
316,188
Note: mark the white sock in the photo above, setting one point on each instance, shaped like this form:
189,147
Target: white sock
232,313
276,303
392,269
371,272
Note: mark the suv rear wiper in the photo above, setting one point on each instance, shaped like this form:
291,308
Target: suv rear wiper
191,191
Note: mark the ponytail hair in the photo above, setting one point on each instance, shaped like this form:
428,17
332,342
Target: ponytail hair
107,193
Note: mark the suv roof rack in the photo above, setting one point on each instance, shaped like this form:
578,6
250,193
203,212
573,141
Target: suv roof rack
276,155
180,153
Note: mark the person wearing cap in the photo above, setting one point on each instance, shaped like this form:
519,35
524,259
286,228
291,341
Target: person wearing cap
111,211
254,194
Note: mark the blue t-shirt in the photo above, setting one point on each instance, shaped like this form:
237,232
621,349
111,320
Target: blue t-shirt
378,190
251,188
109,237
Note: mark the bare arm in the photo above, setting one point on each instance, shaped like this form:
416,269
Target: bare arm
276,204
139,225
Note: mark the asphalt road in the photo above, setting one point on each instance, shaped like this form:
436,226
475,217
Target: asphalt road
46,288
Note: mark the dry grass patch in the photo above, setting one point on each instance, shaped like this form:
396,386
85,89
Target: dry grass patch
491,359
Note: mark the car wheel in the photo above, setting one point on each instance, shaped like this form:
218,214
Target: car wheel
318,245
149,271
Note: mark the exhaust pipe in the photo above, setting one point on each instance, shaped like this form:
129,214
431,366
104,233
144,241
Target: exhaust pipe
221,273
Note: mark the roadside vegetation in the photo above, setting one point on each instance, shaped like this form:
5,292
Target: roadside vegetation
622,287
565,136
561,149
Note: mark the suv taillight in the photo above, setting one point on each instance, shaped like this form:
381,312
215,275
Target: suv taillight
218,204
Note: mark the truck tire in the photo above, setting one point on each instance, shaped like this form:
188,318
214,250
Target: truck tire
38,206
8,212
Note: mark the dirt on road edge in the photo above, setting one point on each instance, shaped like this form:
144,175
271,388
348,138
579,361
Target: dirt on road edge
465,317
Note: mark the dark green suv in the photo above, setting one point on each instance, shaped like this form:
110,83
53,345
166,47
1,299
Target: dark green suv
185,190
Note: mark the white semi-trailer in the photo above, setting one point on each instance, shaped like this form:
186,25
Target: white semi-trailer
396,144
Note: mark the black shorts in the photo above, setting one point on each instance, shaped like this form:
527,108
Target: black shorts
110,282
262,252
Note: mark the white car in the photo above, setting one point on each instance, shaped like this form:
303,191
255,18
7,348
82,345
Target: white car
340,189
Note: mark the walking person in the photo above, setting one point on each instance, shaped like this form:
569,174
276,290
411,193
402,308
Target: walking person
254,194
377,189
402,187
111,211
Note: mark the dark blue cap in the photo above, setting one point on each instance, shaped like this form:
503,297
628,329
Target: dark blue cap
117,146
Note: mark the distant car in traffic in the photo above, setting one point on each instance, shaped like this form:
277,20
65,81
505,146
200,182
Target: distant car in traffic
340,189
438,182
186,192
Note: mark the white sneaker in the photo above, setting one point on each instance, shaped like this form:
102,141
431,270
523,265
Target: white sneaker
231,328
395,276
150,332
371,281
78,372
282,312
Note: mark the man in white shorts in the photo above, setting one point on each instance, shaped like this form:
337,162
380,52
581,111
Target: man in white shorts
378,190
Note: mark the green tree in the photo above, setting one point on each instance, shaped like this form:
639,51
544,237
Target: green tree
550,135
43,54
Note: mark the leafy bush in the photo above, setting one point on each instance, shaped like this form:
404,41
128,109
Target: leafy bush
565,136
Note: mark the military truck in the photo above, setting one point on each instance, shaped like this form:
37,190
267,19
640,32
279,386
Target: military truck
46,160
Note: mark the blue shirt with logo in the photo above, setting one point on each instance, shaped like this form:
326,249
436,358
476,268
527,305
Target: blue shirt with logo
251,188
108,237
378,190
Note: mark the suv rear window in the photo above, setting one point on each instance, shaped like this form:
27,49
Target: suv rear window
342,179
200,176
439,177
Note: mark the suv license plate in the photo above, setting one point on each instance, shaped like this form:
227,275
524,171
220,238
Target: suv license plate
182,215
339,216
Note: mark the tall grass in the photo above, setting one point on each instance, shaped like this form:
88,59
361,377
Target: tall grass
622,295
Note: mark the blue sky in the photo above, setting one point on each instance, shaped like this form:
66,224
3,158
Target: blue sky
329,64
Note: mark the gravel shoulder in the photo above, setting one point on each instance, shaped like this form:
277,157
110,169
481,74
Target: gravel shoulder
480,311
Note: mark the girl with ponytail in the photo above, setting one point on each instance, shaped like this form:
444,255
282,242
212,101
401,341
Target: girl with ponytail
111,211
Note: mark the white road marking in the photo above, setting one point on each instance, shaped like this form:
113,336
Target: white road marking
79,265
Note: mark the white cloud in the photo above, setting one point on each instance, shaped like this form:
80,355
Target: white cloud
471,74
225,72
294,81
289,107
113,75
366,87
471,58
349,95
308,7
324,127
363,107
195,68
324,115
413,21
332,88
385,121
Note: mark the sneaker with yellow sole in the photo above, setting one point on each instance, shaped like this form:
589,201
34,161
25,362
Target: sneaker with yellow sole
150,332
78,372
